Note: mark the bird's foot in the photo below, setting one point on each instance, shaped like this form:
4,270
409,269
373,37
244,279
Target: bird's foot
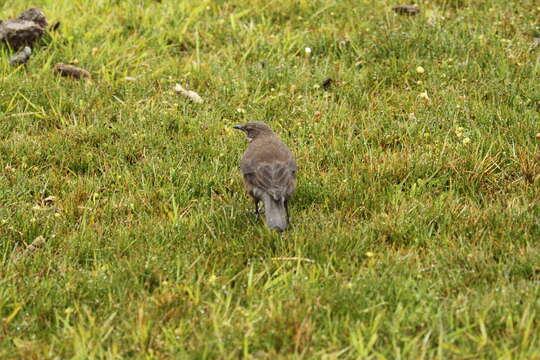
257,214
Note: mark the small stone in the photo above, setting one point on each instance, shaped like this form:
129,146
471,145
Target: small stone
327,83
192,95
39,241
406,9
21,58
71,71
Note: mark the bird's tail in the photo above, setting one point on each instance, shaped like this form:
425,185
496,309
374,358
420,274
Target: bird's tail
275,212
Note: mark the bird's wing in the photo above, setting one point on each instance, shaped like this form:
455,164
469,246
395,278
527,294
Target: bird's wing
276,178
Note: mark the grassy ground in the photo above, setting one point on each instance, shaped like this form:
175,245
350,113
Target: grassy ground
417,198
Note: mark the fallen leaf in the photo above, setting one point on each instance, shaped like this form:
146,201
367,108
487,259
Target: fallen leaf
49,200
406,9
71,71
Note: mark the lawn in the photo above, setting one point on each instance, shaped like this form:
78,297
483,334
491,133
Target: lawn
415,226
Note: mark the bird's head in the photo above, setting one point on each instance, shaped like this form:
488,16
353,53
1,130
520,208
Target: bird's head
254,129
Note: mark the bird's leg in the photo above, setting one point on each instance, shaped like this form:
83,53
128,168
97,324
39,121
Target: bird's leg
257,213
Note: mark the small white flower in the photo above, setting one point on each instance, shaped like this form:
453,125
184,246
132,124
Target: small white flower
307,50
420,70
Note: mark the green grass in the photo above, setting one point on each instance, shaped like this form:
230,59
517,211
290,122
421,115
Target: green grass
421,216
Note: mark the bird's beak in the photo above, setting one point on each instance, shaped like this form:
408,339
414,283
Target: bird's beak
238,127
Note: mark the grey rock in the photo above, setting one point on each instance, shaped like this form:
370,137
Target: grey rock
24,30
20,33
21,58
34,15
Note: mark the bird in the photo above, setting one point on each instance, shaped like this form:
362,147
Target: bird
269,169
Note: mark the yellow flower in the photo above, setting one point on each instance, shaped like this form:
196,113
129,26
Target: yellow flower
459,131
420,70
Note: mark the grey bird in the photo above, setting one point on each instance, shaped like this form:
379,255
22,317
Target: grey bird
269,170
